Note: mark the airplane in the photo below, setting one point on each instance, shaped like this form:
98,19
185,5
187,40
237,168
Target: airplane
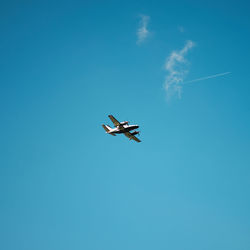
122,128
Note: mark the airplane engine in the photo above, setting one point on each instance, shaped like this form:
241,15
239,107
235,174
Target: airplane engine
124,123
135,133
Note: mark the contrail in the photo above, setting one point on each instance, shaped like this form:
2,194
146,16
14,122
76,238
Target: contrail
207,77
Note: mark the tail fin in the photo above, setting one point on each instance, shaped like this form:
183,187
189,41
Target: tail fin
106,127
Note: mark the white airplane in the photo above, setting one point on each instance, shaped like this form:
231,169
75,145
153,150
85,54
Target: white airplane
122,128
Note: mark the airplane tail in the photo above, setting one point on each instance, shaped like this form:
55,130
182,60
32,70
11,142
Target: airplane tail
106,127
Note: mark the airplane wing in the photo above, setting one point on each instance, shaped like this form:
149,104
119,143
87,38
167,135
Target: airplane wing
112,118
131,137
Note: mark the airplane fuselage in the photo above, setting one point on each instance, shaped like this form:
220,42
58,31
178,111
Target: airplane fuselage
124,129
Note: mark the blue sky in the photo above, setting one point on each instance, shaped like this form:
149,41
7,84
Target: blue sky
65,184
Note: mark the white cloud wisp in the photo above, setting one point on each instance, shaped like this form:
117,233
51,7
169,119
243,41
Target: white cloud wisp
176,66
142,32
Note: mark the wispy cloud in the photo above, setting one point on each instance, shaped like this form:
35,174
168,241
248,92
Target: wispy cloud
177,68
143,32
181,29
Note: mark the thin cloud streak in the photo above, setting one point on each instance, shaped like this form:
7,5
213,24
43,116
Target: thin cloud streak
176,66
143,32
206,77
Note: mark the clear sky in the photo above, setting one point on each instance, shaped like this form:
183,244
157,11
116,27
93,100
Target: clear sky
65,66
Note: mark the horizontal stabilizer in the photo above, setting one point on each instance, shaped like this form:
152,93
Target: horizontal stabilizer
105,127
